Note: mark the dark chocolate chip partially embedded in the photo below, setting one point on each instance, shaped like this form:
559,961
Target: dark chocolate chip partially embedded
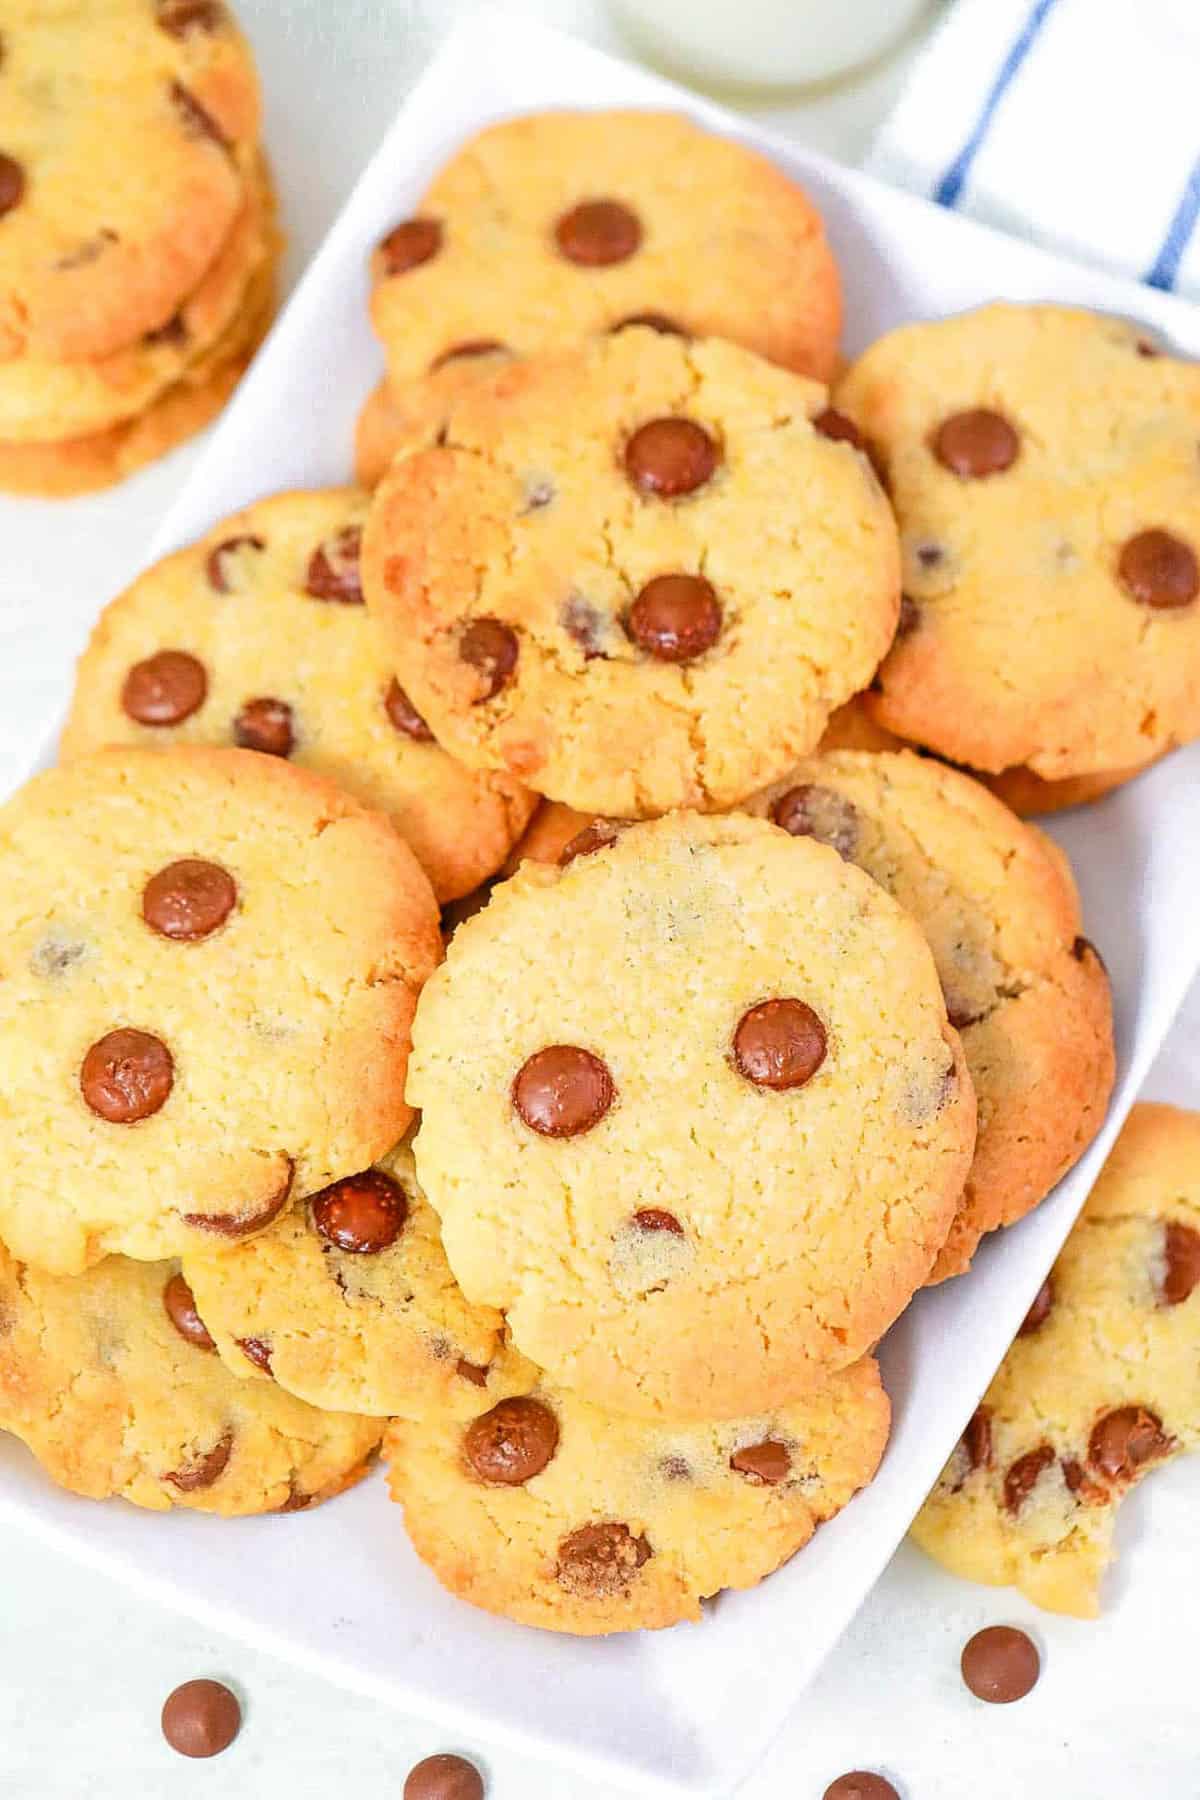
126,1076
180,1307
653,1218
220,561
245,1223
977,1438
512,1443
670,457
188,900
410,244
652,321
599,1561
443,1778
197,120
12,183
179,17
1039,1312
835,425
821,813
1181,1263
201,1718
1157,569
165,689
333,568
562,1091
1023,1476
976,444
597,233
404,715
361,1214
472,1372
256,1350
1000,1664
910,617
768,1463
265,724
203,1470
491,647
596,836
467,351
1123,1441
779,1044
675,618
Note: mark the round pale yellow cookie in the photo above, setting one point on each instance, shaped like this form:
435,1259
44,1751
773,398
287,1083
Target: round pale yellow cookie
269,604
638,575
693,1115
348,1301
557,1514
999,907
1042,464
209,962
108,1379
1101,1385
546,229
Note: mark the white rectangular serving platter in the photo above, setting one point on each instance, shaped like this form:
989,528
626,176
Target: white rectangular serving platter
338,1590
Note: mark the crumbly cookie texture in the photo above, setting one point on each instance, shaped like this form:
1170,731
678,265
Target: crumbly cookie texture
105,1378
1042,464
557,1514
693,1114
348,1301
999,907
396,419
127,140
576,583
1101,1385
546,229
269,603
209,962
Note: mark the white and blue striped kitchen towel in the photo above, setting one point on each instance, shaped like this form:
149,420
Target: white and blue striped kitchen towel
1072,122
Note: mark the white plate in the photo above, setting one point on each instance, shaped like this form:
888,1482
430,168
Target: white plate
685,1711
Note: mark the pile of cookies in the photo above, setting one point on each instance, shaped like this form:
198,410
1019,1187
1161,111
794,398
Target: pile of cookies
752,1018
137,236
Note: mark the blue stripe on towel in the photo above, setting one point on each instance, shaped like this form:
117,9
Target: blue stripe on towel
1165,267
949,188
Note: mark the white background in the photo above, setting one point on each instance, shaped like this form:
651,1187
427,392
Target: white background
85,1667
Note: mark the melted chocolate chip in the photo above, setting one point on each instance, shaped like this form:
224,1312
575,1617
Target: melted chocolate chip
126,1076
976,444
361,1214
333,568
675,618
165,689
599,1561
491,647
977,1439
1181,1263
180,1308
472,1372
598,233
404,715
256,1350
188,900
767,1463
1023,1476
562,1091
779,1044
821,813
265,724
670,457
203,1470
221,560
1123,1441
410,244
1159,570
1039,1312
511,1444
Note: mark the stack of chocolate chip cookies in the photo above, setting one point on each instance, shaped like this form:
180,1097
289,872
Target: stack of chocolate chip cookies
137,235
746,1019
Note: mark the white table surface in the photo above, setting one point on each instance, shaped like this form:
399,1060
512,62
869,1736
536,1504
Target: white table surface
84,1666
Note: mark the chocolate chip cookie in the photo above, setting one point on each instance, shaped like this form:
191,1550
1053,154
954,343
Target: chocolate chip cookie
552,1512
1042,464
111,1380
268,605
693,1114
576,585
546,229
999,908
209,962
1101,1385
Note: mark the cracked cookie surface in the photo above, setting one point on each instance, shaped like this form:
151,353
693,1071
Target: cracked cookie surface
576,583
107,1379
1000,910
557,1514
546,229
1100,1386
269,604
1042,464
209,962
693,1114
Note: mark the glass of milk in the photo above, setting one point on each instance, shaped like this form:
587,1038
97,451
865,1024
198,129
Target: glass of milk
765,43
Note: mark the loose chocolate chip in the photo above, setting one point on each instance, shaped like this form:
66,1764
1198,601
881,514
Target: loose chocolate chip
361,1214
597,233
1023,1476
201,1718
910,616
256,1350
1181,1263
675,618
835,425
265,724
582,621
976,444
188,900
490,647
669,457
1123,1441
596,836
511,1444
767,1463
1000,1664
165,689
977,1438
333,568
562,1091
653,1218
126,1076
404,715
243,1224
652,321
197,120
1039,1312
443,1778
821,813
409,245
219,565
178,17
471,1372
598,1561
12,183
1159,570
467,351
205,1469
180,1308
779,1044
860,1784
